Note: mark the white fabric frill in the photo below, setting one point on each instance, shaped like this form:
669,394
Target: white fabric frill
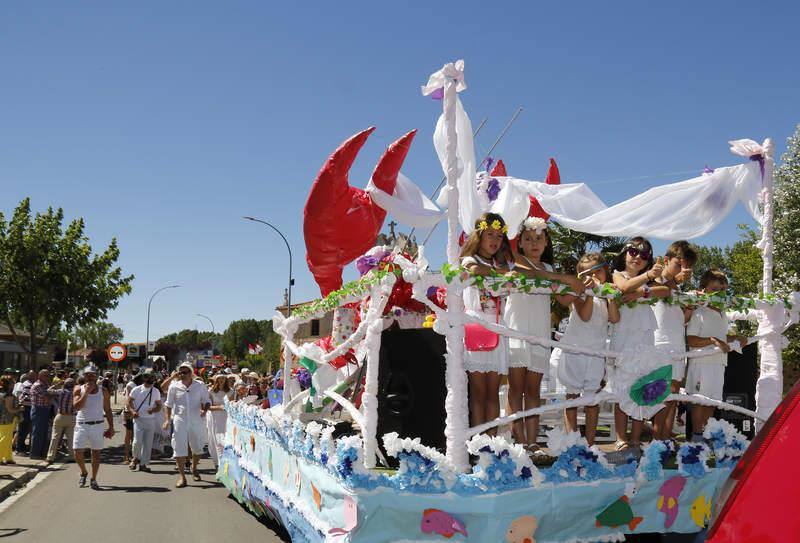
633,364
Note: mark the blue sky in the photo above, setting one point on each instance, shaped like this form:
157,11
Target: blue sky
163,123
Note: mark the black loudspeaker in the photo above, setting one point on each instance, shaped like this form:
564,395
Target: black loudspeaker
741,375
411,386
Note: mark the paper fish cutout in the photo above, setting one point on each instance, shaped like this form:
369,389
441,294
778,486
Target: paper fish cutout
668,494
701,511
252,442
522,530
442,523
317,496
225,469
617,514
350,518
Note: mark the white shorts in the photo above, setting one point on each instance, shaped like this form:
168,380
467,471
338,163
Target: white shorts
678,366
88,436
705,379
188,434
580,374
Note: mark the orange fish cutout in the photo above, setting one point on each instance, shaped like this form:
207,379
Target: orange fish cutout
317,496
252,442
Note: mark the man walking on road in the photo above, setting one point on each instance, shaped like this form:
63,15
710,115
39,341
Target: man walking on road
186,404
144,401
91,402
64,423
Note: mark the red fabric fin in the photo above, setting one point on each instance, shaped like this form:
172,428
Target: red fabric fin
553,178
499,169
385,174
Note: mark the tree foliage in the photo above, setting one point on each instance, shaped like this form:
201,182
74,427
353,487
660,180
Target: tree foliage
787,244
194,340
49,276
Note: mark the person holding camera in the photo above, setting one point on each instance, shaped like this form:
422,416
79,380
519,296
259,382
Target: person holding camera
186,405
92,403
144,401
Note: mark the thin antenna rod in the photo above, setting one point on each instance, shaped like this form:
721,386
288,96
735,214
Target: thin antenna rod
488,154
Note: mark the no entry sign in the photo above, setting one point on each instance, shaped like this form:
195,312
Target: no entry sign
117,352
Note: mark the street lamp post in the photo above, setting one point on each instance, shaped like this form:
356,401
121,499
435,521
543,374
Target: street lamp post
287,363
147,336
213,329
288,248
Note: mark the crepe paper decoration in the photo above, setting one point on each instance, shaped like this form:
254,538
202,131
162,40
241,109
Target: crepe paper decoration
522,530
436,521
668,496
553,178
493,189
653,388
317,496
701,511
269,463
308,364
617,514
341,222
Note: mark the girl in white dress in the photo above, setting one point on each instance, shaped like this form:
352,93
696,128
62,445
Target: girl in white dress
588,327
530,314
218,417
487,251
635,269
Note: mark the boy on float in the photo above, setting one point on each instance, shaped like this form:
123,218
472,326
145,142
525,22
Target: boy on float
671,319
487,251
530,314
706,374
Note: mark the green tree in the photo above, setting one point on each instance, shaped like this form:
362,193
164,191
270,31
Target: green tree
98,335
49,277
242,332
570,245
741,262
787,244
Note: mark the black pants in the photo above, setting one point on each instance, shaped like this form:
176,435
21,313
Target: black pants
23,428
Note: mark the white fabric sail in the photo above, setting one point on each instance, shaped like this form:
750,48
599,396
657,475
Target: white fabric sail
683,210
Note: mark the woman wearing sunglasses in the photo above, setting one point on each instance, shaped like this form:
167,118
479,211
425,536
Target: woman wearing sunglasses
635,270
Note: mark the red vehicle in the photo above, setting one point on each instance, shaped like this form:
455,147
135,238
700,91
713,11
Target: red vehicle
763,492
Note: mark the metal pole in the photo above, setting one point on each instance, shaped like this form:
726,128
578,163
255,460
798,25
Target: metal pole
147,334
213,330
288,248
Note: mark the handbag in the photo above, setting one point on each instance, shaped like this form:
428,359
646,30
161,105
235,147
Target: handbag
480,339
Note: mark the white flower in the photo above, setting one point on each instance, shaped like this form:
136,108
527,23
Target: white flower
535,223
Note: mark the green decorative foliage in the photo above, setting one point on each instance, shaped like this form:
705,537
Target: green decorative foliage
354,289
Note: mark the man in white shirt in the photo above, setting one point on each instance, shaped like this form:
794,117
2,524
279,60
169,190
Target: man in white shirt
186,405
144,401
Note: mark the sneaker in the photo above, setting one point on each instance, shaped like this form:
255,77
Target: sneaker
94,485
82,480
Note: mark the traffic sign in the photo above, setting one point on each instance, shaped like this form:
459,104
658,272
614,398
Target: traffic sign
117,352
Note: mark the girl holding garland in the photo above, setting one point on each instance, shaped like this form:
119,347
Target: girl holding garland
588,327
487,251
635,269
530,314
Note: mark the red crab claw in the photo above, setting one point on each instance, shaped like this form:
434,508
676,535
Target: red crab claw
341,222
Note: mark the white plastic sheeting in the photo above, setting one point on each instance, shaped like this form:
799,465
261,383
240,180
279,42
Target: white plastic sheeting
408,204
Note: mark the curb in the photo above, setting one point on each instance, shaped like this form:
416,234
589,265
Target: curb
18,482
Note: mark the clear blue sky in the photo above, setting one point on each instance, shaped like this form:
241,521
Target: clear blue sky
162,123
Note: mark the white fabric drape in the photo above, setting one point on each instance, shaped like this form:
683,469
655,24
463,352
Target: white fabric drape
683,210
408,205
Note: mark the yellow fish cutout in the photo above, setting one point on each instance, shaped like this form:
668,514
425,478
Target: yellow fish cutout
317,496
701,511
225,469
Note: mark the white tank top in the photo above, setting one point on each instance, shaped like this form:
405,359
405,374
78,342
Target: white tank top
93,408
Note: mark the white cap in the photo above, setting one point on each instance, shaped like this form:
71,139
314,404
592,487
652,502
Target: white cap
90,369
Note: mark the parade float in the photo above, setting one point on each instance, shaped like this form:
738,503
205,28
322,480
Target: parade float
317,464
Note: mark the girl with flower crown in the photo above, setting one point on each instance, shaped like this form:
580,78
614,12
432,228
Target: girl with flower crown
530,314
635,271
487,251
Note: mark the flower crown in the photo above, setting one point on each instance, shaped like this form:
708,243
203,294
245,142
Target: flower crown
496,225
534,223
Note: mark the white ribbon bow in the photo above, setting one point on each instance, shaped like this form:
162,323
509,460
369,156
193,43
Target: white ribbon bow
449,71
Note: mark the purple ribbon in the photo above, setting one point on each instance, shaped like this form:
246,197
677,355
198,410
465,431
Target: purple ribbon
758,157
438,94
707,170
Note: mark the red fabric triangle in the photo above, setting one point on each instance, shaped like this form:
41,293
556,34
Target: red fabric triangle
553,178
499,169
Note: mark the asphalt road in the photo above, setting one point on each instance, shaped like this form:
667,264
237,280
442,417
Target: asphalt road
130,506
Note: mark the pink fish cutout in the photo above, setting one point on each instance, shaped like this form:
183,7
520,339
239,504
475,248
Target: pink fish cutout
668,494
350,518
442,523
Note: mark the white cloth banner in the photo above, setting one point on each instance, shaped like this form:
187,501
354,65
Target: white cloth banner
683,210
469,206
408,204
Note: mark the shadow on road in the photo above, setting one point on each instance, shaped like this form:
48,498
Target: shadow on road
113,488
8,532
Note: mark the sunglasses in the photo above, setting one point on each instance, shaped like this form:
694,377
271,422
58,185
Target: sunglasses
634,252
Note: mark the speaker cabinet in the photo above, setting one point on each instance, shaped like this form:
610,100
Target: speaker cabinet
411,386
